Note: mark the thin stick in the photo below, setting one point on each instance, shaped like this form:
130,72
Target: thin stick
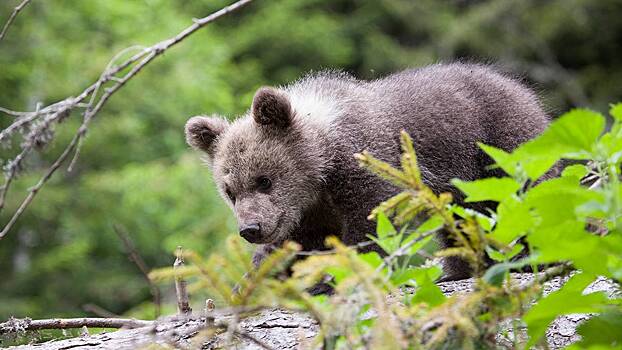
33,191
183,304
332,251
402,250
362,245
146,56
14,113
140,263
12,17
15,325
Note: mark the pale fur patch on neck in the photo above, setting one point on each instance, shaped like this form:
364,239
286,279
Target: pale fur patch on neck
314,105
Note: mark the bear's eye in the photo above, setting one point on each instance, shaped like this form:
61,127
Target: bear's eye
263,183
230,194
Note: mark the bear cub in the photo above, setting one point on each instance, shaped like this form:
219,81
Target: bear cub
286,167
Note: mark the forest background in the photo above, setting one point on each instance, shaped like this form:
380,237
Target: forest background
135,174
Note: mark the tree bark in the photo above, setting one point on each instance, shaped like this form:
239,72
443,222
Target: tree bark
280,329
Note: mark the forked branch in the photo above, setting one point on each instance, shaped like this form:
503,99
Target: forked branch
40,123
8,23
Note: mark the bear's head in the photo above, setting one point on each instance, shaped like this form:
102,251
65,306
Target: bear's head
268,165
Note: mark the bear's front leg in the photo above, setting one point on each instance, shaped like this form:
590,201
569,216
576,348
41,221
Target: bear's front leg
266,249
262,252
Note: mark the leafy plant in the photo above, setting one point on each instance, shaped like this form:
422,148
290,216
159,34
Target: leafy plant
570,223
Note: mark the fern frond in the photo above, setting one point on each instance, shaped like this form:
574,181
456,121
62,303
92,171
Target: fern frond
409,159
167,273
241,254
389,206
278,260
414,207
213,277
383,169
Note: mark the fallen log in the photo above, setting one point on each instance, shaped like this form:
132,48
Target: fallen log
278,329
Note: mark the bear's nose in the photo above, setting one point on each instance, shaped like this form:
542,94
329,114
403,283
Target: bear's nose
251,232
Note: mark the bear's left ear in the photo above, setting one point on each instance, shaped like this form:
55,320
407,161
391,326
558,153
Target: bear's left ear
271,107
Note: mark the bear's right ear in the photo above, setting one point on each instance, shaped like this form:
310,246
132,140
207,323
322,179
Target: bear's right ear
271,107
201,132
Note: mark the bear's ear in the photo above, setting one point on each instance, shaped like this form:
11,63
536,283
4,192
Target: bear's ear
271,107
201,132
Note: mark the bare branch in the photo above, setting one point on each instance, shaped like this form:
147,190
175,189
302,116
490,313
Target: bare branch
33,191
15,325
183,304
140,263
12,17
404,249
14,113
366,244
43,120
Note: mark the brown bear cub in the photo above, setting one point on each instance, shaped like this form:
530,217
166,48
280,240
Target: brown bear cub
287,170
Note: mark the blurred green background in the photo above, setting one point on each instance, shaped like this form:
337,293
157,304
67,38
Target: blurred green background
135,170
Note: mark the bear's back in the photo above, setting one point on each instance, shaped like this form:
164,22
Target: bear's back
447,109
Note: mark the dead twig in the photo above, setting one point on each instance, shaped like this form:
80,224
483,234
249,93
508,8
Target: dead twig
16,325
41,122
404,249
366,244
140,263
183,303
8,23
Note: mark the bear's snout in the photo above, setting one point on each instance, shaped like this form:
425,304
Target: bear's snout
251,232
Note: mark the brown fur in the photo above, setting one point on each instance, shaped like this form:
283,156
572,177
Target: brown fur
303,137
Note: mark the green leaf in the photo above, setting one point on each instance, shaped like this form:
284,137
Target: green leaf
502,159
575,131
514,219
387,238
616,111
400,277
420,245
604,329
610,145
569,241
572,135
612,244
427,291
556,201
535,160
490,189
499,256
568,299
494,254
576,171
578,129
384,227
372,258
432,223
486,222
339,273
517,248
495,275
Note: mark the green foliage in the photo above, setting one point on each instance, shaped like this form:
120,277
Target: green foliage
391,302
